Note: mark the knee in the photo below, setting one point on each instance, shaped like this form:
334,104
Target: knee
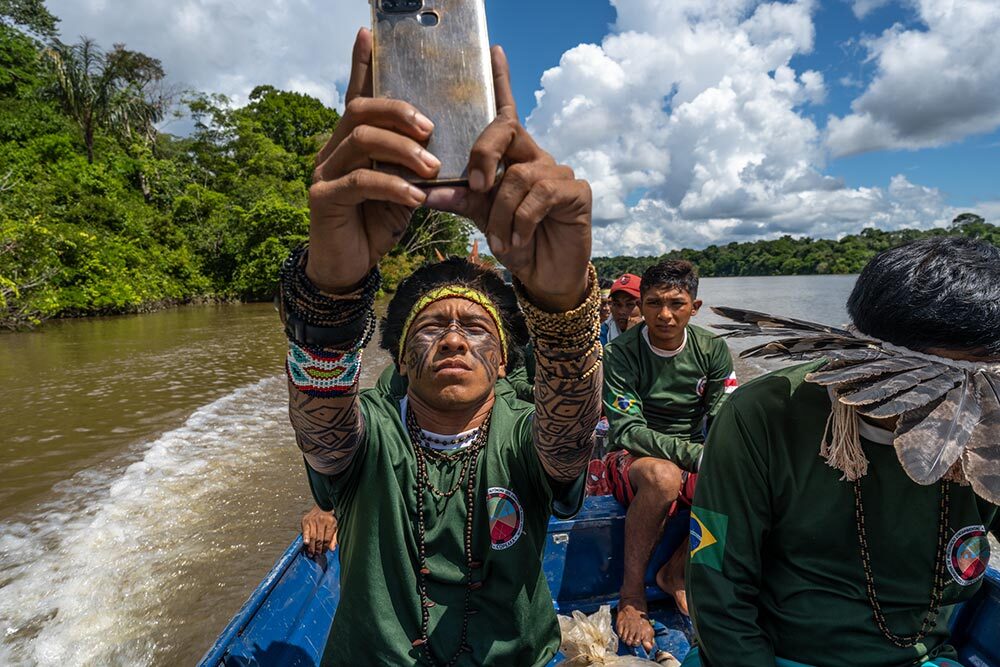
662,478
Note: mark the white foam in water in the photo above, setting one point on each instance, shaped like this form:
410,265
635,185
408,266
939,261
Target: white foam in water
82,581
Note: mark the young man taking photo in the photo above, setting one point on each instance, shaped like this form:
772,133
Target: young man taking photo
663,379
844,503
443,490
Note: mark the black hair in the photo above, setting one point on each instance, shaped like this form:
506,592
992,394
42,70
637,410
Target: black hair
671,274
456,271
939,292
605,283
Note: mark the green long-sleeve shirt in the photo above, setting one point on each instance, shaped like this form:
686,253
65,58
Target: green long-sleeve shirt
775,565
656,405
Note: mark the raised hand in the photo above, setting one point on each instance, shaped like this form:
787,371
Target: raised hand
537,220
357,214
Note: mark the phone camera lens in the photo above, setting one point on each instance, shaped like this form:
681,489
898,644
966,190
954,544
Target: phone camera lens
401,6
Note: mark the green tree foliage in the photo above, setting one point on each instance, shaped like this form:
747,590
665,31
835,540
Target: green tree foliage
789,256
100,213
108,91
28,14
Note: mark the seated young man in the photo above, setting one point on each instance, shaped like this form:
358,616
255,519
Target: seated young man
834,522
624,307
443,492
662,379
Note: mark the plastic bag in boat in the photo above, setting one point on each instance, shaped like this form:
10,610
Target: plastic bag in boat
590,640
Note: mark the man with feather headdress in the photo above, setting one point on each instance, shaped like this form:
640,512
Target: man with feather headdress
844,504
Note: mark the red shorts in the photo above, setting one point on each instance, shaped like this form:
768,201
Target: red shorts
616,467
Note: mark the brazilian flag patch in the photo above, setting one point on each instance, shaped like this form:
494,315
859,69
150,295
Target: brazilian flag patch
624,403
708,537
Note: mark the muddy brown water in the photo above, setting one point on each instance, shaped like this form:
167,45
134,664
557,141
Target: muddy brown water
149,478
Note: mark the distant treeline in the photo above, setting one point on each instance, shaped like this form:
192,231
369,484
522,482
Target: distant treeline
789,256
101,212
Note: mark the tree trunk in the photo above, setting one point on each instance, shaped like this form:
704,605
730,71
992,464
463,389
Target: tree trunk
88,138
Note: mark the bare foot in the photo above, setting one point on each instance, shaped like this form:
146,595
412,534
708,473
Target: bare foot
670,578
633,623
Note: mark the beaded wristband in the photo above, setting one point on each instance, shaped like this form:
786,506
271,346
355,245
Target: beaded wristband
322,374
574,328
327,373
301,298
573,335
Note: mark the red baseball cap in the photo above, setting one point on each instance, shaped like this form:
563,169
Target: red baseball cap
628,283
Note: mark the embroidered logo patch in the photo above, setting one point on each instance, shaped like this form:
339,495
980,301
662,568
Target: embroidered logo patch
708,537
731,383
968,555
702,383
506,517
624,404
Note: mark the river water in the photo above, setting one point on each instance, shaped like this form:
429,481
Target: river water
149,477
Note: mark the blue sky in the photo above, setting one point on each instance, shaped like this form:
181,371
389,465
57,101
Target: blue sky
536,34
695,121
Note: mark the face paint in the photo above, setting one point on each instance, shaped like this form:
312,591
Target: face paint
453,355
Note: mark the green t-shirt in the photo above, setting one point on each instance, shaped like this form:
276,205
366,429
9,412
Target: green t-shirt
379,614
657,405
775,565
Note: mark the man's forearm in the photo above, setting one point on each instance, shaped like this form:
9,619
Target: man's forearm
566,413
644,441
327,336
568,379
327,430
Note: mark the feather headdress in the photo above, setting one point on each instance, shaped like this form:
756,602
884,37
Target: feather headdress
948,411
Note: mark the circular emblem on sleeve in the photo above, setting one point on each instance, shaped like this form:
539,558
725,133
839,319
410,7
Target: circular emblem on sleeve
968,555
506,517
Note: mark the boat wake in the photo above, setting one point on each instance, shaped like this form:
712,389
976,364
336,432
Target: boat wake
115,566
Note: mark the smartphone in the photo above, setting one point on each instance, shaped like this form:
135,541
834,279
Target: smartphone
435,54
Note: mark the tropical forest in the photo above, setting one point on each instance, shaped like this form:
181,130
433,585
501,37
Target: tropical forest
103,211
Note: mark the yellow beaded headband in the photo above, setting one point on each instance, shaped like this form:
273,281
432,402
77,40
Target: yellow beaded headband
455,292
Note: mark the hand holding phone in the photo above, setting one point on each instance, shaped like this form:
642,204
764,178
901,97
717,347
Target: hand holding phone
357,214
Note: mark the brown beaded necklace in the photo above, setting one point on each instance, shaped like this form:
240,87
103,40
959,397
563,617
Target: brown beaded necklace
937,592
468,458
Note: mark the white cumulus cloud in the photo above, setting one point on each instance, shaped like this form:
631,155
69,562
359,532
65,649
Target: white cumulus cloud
693,126
230,46
934,84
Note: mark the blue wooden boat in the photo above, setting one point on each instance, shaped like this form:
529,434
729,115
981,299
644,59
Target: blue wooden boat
287,618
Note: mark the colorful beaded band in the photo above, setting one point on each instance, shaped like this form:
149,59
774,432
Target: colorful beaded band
455,292
323,374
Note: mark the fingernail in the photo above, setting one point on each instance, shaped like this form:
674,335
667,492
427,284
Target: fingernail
423,122
416,193
496,243
445,198
515,239
427,158
477,180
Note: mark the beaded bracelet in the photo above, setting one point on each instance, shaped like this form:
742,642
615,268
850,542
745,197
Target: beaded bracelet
322,374
327,373
301,298
573,335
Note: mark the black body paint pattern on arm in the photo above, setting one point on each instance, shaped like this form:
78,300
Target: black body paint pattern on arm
567,409
327,430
